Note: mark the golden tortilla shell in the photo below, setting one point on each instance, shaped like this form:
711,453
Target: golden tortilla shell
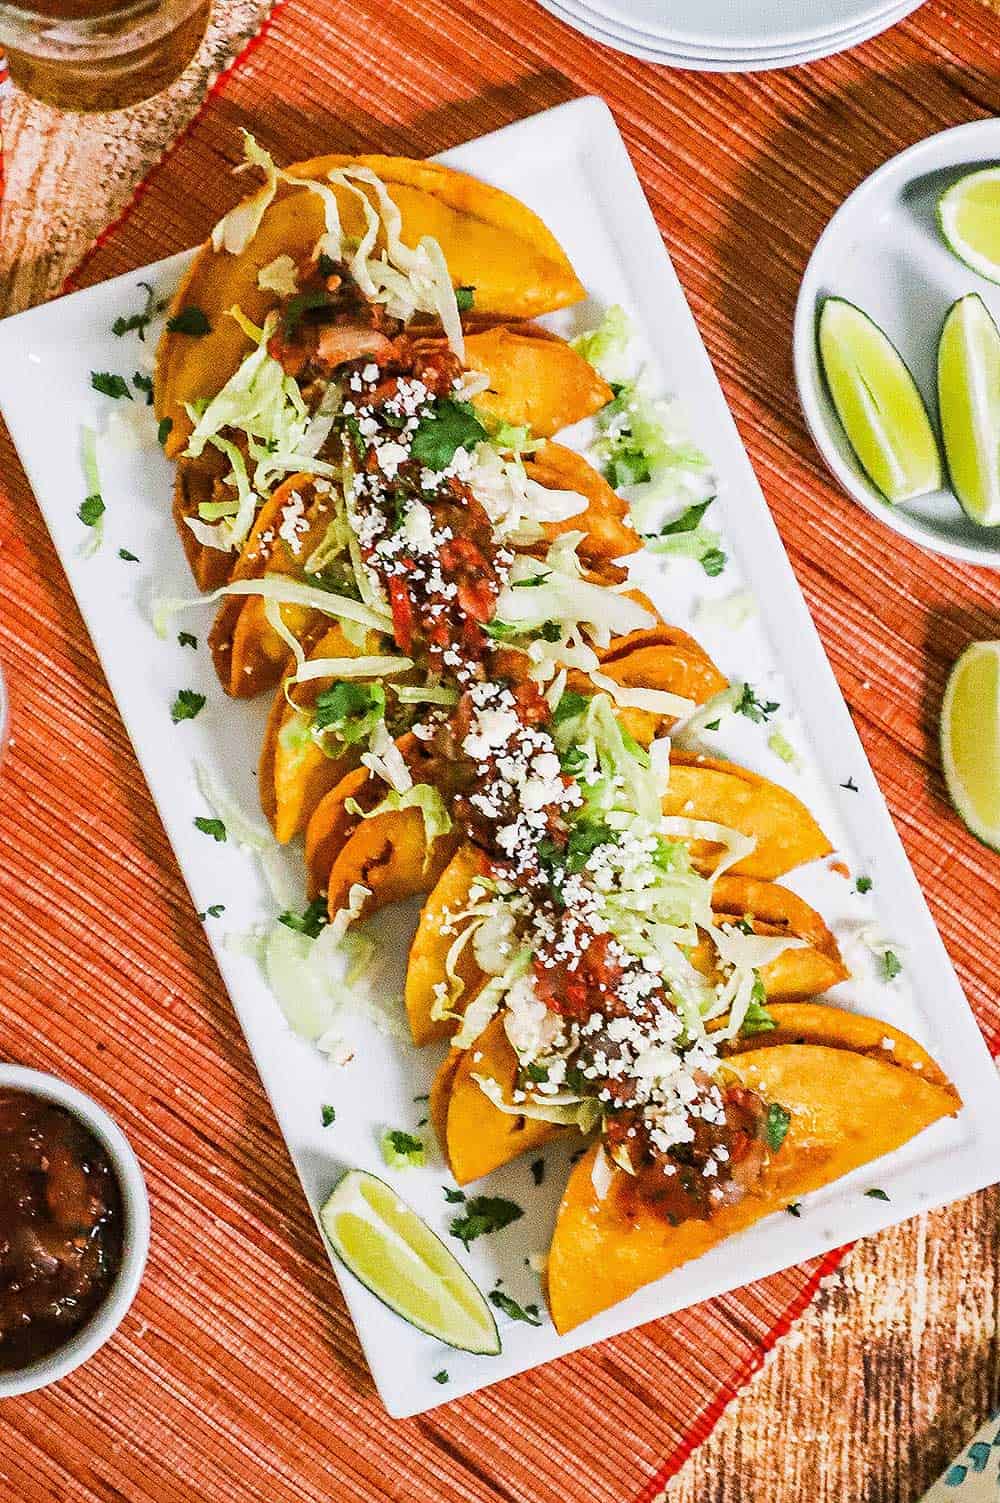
537,380
847,1109
478,1138
775,910
712,789
608,533
425,967
490,241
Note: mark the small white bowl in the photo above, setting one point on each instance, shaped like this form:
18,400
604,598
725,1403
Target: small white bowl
135,1243
883,251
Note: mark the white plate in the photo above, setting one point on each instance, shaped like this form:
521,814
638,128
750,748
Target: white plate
738,25
882,250
621,18
654,49
571,166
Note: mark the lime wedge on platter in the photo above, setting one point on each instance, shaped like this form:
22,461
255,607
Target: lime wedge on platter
878,403
969,404
969,217
970,740
395,1254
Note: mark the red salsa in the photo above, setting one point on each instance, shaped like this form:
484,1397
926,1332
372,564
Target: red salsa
61,1227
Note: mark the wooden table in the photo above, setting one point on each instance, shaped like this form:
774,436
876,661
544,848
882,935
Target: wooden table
898,1359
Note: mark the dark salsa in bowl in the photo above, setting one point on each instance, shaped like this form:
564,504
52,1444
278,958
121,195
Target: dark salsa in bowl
61,1227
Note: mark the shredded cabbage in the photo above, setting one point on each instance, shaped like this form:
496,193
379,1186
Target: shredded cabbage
280,588
422,796
606,347
584,1114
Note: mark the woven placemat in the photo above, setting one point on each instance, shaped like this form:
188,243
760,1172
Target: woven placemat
238,1374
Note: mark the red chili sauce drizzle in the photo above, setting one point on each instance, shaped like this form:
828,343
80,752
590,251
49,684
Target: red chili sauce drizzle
61,1227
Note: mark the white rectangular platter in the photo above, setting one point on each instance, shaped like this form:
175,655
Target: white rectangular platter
571,166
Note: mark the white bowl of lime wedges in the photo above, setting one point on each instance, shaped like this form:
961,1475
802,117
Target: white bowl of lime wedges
897,349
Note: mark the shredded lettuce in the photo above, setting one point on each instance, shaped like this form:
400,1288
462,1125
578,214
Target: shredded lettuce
280,588
422,796
401,1150
584,1114
606,348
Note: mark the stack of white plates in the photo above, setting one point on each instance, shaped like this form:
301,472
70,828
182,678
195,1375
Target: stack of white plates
730,36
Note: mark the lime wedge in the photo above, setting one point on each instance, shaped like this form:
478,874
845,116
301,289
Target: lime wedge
969,402
878,403
970,740
969,216
386,1245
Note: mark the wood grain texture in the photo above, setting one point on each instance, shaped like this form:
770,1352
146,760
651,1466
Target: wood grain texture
238,1374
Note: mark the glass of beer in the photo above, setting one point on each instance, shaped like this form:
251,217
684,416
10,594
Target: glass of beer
99,54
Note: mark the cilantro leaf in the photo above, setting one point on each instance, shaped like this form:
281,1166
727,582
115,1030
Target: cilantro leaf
713,562
448,426
891,965
189,321
570,705
776,1125
528,1313
453,1197
145,384
213,827
529,584
91,510
688,520
138,323
214,910
310,922
794,1208
187,705
327,1115
876,1194
187,639
757,710
441,1377
502,631
484,1214
863,884
110,385
757,1019
163,430
465,297
350,710
401,1150
129,558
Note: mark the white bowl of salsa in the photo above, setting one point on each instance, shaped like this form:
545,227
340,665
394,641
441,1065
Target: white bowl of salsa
74,1226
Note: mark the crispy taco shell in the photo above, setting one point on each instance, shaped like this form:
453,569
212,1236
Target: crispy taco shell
609,534
425,967
490,241
774,910
477,1137
848,1109
711,789
537,380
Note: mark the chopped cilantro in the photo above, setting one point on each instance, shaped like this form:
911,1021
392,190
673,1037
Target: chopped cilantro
484,1213
776,1125
110,385
187,639
189,321
529,584
401,1150
851,786
527,1313
758,1019
327,1115
310,922
570,705
876,1194
794,1208
550,631
538,1170
441,1377
465,297
163,430
713,562
891,965
536,1073
326,265
448,426
213,827
187,705
688,519
145,384
138,323
502,631
713,725
453,1197
863,884
91,510
129,558
757,710
214,910
350,710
